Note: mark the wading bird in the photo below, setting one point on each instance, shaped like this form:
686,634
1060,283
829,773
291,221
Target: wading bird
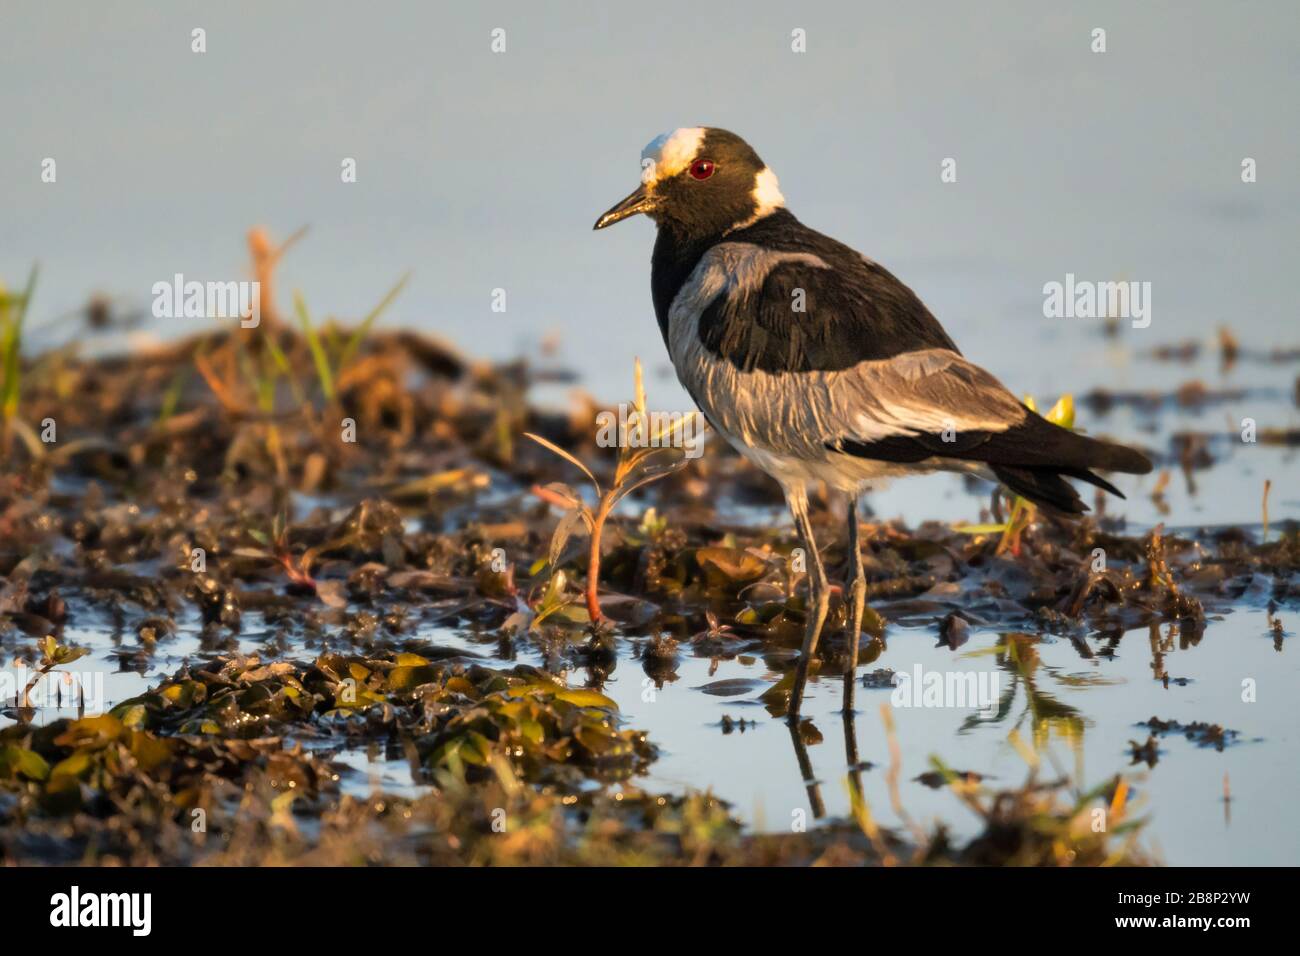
817,364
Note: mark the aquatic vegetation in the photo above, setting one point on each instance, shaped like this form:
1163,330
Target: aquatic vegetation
330,353
245,368
53,654
219,749
645,455
1200,732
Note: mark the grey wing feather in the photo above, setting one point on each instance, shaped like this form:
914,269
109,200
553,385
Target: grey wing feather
928,391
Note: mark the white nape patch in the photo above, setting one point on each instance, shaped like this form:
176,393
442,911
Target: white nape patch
767,193
767,199
668,154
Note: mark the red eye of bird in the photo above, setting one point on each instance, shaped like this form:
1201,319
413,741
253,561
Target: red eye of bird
702,169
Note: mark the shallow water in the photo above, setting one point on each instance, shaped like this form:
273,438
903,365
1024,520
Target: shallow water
1096,699
1100,698
1080,704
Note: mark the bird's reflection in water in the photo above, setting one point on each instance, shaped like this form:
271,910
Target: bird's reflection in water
803,732
797,731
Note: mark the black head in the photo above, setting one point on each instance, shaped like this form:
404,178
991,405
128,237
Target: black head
700,181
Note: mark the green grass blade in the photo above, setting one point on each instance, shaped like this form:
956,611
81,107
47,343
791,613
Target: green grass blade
317,350
282,363
11,345
172,397
359,334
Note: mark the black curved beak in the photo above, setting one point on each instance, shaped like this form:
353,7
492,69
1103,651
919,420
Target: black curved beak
639,201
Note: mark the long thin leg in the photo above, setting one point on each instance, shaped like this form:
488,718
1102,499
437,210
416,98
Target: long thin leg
859,604
818,594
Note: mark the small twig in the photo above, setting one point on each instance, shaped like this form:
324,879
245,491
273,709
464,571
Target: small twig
1268,485
219,389
41,672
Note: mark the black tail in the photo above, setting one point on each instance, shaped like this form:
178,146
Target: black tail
1047,488
1039,475
1032,458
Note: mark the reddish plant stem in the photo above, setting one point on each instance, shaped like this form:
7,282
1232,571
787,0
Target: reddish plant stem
593,560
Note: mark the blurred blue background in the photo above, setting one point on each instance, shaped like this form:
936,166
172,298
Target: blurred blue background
480,170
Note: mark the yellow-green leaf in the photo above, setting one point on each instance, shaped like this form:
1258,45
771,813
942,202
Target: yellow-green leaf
585,697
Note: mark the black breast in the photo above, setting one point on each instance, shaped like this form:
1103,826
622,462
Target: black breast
671,265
